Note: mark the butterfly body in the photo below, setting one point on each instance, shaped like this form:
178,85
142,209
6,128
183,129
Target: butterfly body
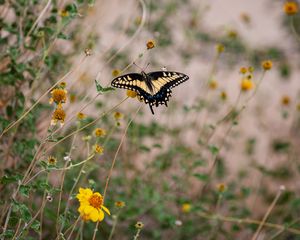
153,88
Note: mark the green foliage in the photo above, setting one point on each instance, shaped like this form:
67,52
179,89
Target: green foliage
194,170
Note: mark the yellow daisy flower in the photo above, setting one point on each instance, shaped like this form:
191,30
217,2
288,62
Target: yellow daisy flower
99,132
290,8
213,84
59,115
267,65
118,116
91,205
186,207
246,84
58,96
150,44
131,94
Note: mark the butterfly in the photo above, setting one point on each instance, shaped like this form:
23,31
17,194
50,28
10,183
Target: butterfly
152,88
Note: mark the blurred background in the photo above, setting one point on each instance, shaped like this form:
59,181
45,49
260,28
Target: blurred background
219,150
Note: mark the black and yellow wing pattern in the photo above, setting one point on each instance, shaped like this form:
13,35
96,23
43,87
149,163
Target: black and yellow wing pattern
153,88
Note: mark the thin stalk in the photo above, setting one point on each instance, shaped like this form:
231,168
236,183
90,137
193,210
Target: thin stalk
281,189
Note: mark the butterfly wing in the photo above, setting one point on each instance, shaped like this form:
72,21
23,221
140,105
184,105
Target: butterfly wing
166,79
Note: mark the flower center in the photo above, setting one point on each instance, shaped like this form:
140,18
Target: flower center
96,201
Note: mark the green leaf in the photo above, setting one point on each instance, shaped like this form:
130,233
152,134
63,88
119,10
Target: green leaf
213,149
63,36
25,213
36,226
201,176
24,190
101,89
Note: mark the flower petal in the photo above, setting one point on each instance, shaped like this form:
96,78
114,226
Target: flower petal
88,209
94,215
101,215
105,209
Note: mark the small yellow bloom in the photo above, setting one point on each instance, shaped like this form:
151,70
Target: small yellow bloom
213,84
81,116
51,160
290,8
98,149
251,69
247,84
99,132
72,98
58,96
63,84
220,48
285,100
139,225
298,106
186,207
223,95
118,116
64,13
267,65
120,204
150,44
131,94
59,115
243,70
91,205
116,72
221,187
232,34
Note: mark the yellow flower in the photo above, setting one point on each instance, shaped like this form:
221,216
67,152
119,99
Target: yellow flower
267,65
120,204
63,84
290,8
221,187
223,95
118,116
186,207
72,97
220,48
81,116
139,225
285,100
131,94
213,84
64,13
150,44
58,96
247,84
115,72
243,70
232,34
58,115
99,132
250,69
98,149
298,106
51,160
91,205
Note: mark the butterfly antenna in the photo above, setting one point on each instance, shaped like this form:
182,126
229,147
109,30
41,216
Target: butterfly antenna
147,66
137,66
